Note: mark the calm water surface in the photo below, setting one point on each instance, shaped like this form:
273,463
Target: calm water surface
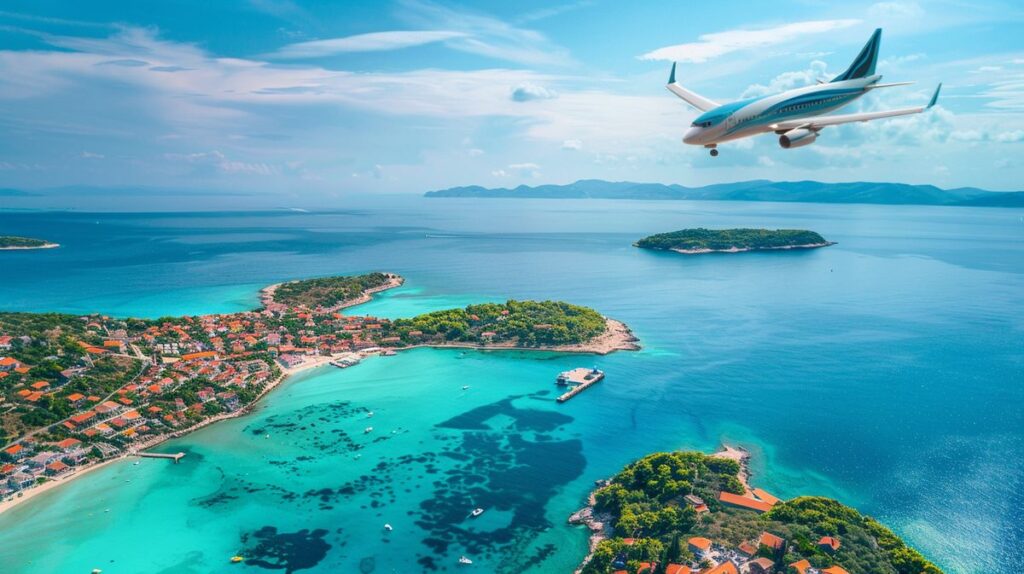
887,371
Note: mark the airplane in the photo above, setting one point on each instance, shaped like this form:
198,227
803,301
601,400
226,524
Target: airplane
796,116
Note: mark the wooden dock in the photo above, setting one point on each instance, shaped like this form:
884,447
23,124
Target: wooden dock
177,456
582,379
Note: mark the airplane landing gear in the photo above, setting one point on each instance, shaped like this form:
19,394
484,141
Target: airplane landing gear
714,152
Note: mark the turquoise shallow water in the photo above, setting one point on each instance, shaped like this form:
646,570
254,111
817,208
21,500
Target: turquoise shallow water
885,371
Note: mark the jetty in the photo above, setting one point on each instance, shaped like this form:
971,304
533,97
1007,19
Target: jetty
580,379
345,361
177,456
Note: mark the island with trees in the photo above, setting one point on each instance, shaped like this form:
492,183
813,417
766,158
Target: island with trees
688,512
78,390
700,240
12,242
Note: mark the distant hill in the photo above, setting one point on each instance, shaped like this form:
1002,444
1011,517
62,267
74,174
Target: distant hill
756,190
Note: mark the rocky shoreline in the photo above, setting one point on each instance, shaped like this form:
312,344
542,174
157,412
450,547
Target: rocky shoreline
748,249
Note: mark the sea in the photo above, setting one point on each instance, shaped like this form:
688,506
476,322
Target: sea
886,371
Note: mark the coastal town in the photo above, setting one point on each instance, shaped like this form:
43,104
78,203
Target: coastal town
79,391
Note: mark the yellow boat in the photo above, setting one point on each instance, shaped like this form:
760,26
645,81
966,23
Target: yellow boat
236,559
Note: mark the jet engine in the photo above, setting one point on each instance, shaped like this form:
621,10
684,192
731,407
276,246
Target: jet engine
797,138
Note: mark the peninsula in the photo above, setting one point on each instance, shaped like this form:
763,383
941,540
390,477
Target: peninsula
690,513
12,242
700,240
79,391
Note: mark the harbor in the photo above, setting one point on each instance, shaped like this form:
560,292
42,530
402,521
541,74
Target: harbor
579,380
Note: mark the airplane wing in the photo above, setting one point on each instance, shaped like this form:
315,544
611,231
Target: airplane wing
818,122
696,100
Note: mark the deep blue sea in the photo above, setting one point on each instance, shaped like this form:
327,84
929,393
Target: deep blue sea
886,371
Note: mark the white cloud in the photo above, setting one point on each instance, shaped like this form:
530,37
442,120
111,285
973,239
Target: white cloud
528,92
891,10
499,173
220,162
718,44
474,152
484,35
572,144
789,80
90,155
373,42
525,169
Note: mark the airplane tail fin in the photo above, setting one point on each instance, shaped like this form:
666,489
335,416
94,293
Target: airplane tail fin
935,96
864,64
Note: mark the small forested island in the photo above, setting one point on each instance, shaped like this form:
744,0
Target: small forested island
332,292
688,512
11,242
700,240
79,390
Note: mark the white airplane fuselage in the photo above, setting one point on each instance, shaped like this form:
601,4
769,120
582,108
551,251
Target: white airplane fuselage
754,116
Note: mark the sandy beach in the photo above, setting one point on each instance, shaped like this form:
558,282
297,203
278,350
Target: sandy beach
159,439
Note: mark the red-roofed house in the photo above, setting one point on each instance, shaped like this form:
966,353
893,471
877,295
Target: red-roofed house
698,545
829,544
760,566
17,451
57,467
771,541
747,549
801,566
836,569
678,569
723,568
68,444
740,501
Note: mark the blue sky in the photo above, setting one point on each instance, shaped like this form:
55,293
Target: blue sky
331,98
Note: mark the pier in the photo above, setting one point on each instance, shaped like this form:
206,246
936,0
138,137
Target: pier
172,456
581,378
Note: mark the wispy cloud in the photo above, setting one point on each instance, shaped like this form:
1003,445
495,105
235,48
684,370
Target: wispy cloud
373,42
485,35
718,44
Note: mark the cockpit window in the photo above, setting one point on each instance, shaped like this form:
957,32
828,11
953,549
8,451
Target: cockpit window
704,124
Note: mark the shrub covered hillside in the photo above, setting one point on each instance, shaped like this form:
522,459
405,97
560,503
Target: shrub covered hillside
725,239
523,323
14,241
328,291
667,514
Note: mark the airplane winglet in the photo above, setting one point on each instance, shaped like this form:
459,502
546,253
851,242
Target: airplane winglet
672,74
935,96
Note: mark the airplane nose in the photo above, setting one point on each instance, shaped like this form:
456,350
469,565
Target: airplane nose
692,136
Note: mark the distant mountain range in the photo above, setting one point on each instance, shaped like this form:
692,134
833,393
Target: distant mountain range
757,190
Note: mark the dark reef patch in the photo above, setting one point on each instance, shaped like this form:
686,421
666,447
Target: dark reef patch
291,551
